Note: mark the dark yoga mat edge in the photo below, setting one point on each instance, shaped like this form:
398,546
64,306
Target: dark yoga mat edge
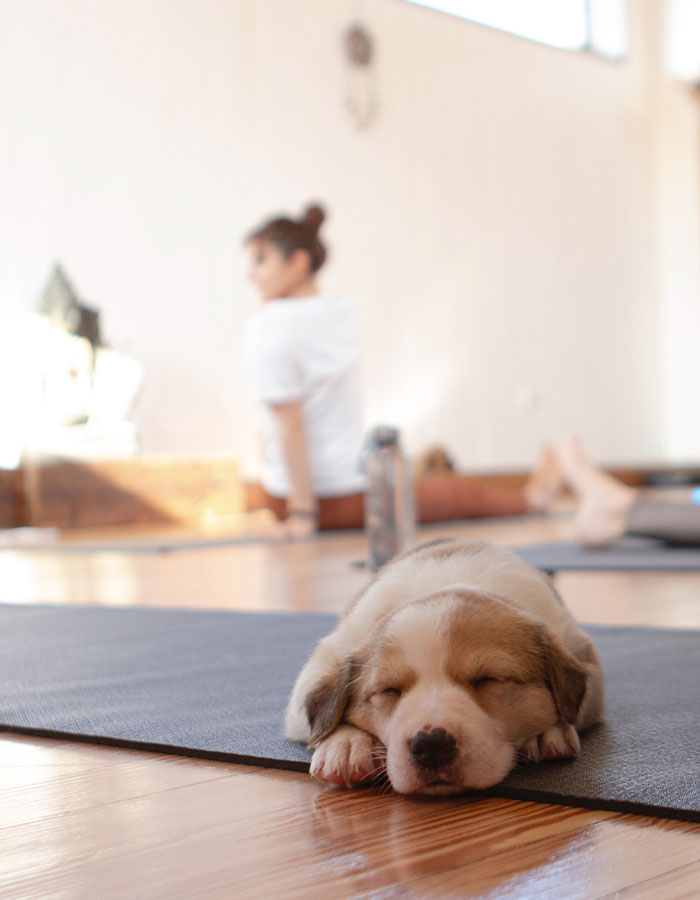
499,790
618,806
290,765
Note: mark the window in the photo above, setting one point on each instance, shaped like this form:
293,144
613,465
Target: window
682,48
596,25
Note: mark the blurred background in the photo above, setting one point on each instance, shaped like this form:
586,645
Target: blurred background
518,218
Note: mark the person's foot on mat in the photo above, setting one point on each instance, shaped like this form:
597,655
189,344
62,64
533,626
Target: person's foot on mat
603,500
546,483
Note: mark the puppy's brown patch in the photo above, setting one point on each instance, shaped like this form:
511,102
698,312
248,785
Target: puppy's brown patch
528,652
327,702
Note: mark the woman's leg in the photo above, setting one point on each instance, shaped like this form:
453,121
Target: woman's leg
341,513
677,523
447,496
334,513
604,502
609,509
441,498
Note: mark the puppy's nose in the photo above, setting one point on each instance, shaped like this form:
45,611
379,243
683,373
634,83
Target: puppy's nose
432,749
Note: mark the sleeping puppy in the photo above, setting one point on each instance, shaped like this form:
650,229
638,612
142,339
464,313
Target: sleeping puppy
455,663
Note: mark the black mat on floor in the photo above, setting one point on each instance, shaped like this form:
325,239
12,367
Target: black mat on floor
215,684
627,554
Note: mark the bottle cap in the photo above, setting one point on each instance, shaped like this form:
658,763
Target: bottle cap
383,436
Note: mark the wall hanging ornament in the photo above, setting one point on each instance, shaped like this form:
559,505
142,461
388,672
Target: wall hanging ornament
361,98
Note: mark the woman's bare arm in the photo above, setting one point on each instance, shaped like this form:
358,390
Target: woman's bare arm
290,426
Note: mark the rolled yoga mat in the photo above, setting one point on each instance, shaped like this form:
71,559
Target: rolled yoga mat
215,685
625,555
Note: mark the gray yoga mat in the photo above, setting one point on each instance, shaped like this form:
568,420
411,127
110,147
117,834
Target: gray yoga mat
626,555
215,684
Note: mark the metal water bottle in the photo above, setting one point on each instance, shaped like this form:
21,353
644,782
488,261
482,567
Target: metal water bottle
389,500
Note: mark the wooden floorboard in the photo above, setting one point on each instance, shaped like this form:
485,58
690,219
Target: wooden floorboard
79,821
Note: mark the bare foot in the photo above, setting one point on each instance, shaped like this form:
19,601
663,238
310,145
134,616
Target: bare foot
546,483
603,500
436,461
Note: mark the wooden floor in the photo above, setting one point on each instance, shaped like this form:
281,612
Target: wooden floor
81,821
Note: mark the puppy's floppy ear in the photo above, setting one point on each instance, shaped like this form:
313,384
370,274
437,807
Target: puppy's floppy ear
565,676
327,702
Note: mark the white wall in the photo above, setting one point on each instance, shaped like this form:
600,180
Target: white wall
677,147
497,225
679,269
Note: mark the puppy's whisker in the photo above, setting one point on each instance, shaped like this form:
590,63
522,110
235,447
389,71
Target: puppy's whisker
375,774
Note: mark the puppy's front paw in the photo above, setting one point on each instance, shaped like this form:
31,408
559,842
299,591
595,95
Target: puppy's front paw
558,742
348,757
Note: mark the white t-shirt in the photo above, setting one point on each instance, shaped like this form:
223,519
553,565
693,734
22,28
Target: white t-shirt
307,349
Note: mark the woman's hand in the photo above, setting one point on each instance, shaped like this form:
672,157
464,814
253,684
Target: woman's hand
293,528
297,527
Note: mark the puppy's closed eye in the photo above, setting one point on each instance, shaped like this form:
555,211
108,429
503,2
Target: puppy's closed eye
391,692
487,677
393,682
487,680
385,695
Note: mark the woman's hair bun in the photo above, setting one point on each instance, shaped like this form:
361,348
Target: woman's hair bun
313,217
